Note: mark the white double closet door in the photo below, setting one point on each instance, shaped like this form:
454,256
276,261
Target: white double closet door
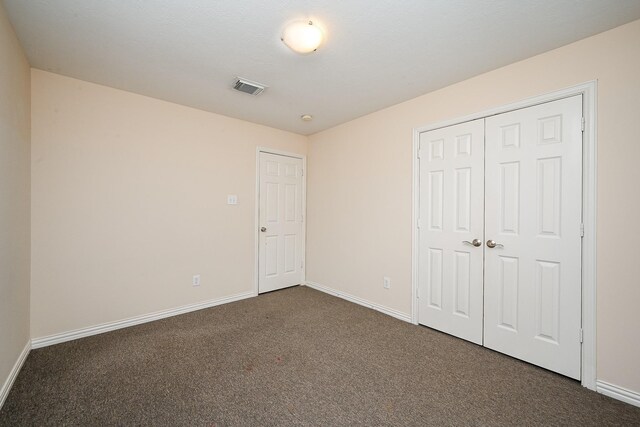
500,233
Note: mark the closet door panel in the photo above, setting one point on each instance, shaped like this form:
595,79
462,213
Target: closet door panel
533,208
451,212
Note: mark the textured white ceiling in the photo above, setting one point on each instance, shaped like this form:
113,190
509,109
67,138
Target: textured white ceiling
377,53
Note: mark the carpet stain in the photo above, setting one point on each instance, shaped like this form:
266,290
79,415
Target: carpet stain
389,407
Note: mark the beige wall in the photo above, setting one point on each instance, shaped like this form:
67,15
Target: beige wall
14,198
360,177
129,202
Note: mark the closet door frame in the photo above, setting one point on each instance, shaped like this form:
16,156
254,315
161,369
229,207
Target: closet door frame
588,91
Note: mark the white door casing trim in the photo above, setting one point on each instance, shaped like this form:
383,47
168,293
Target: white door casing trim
588,91
256,244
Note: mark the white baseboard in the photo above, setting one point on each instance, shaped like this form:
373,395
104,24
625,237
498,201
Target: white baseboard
6,387
360,301
619,393
119,324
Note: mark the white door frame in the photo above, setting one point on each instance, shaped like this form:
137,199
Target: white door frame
256,274
588,91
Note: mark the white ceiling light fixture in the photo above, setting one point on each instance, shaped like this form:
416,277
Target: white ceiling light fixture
302,36
306,117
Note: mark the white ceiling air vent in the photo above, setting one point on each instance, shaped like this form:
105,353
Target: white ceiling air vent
247,86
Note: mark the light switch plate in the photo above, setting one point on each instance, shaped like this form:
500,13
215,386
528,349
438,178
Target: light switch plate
232,199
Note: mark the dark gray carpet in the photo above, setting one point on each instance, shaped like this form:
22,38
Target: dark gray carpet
293,357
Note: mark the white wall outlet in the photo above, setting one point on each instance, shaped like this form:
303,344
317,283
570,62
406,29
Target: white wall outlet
386,282
196,280
232,199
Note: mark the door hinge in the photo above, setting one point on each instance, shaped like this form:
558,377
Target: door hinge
582,124
419,153
301,172
581,229
581,335
418,293
302,264
418,223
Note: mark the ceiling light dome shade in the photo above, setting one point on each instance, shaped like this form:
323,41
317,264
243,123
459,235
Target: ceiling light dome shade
302,36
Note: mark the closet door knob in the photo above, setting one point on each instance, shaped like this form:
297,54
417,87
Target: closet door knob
492,244
476,242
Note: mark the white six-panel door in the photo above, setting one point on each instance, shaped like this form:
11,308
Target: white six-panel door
280,253
451,218
533,213
518,189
